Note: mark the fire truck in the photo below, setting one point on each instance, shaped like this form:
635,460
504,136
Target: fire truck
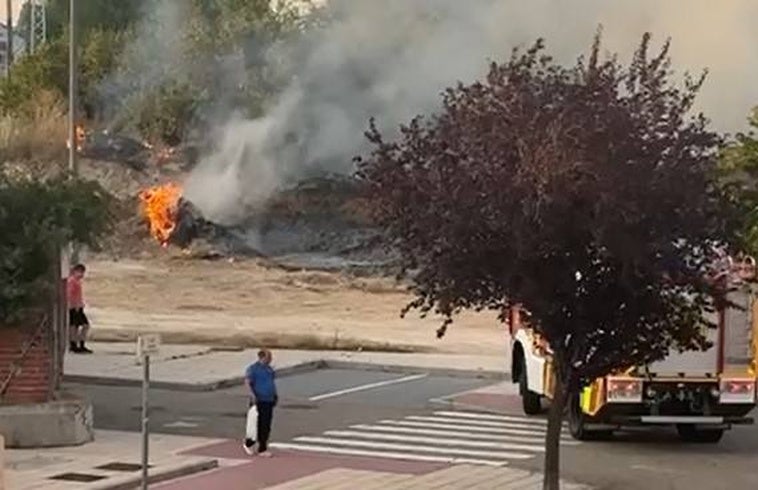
702,394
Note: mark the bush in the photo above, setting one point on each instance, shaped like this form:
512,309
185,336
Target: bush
166,114
99,58
39,132
37,217
44,71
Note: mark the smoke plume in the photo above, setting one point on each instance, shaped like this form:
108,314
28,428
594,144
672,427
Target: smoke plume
390,59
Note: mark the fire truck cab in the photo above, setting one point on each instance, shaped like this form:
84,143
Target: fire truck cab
702,394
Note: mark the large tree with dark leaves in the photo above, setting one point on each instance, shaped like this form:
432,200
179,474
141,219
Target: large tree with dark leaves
583,193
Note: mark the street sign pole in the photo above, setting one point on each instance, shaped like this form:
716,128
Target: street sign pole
147,345
145,417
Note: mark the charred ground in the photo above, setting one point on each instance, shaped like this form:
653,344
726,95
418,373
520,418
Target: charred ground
321,222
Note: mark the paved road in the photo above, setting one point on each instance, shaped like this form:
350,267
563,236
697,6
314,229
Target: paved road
222,413
340,413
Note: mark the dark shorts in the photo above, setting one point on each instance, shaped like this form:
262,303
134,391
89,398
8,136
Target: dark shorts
77,318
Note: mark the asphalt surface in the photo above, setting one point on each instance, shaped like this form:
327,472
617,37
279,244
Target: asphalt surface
222,413
323,401
656,459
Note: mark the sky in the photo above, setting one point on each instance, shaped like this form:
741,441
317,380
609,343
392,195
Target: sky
16,9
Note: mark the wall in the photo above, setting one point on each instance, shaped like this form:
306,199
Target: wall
32,383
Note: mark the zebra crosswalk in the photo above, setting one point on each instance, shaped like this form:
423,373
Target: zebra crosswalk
443,436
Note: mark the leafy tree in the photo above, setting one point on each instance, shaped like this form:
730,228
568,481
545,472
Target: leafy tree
738,171
45,70
584,193
35,218
99,57
163,103
115,15
167,113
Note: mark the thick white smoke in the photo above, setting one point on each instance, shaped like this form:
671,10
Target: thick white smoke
389,59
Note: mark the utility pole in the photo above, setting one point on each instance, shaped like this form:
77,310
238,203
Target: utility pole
8,37
37,24
73,157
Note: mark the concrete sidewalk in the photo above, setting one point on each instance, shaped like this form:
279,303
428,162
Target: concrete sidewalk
290,469
111,462
199,368
454,477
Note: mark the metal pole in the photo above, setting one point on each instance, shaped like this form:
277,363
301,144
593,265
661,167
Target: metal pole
145,417
73,162
8,37
30,8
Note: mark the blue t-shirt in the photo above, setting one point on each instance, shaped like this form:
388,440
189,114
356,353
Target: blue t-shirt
260,378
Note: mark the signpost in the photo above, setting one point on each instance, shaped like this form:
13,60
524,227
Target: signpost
2,463
147,345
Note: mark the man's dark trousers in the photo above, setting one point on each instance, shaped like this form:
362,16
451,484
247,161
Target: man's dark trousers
265,415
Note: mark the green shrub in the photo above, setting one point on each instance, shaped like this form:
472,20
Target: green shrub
36,218
166,114
44,71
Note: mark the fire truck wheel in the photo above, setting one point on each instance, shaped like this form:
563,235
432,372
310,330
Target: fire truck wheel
577,422
530,401
690,433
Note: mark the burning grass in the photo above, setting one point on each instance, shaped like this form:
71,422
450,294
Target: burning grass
160,207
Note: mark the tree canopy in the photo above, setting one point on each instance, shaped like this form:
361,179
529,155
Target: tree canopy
120,83
91,15
586,193
36,219
738,173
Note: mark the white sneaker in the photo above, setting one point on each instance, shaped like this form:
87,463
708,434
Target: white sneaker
250,451
265,454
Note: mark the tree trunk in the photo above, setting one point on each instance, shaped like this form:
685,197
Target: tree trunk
553,438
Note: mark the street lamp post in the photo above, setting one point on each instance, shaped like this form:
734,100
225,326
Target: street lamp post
8,37
73,157
73,164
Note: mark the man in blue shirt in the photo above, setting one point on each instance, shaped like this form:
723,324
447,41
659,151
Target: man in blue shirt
259,377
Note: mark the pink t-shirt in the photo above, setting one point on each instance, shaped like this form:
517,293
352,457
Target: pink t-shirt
74,292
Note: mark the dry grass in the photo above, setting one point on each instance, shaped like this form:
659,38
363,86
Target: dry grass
39,136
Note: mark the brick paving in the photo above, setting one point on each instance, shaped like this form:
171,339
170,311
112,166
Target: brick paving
285,466
444,449
459,477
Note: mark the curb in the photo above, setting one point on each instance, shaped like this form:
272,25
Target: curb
290,371
403,369
169,473
178,386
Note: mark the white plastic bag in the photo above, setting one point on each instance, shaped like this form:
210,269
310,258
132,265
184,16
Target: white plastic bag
251,431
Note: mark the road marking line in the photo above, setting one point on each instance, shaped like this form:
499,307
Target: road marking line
442,441
489,416
536,439
497,430
180,424
475,423
369,386
383,454
411,447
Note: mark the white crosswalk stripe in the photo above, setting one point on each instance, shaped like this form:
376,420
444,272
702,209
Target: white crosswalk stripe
537,438
443,436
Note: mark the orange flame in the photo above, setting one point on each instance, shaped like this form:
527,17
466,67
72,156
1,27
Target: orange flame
159,207
80,134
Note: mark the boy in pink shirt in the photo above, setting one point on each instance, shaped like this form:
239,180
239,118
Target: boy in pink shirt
77,321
